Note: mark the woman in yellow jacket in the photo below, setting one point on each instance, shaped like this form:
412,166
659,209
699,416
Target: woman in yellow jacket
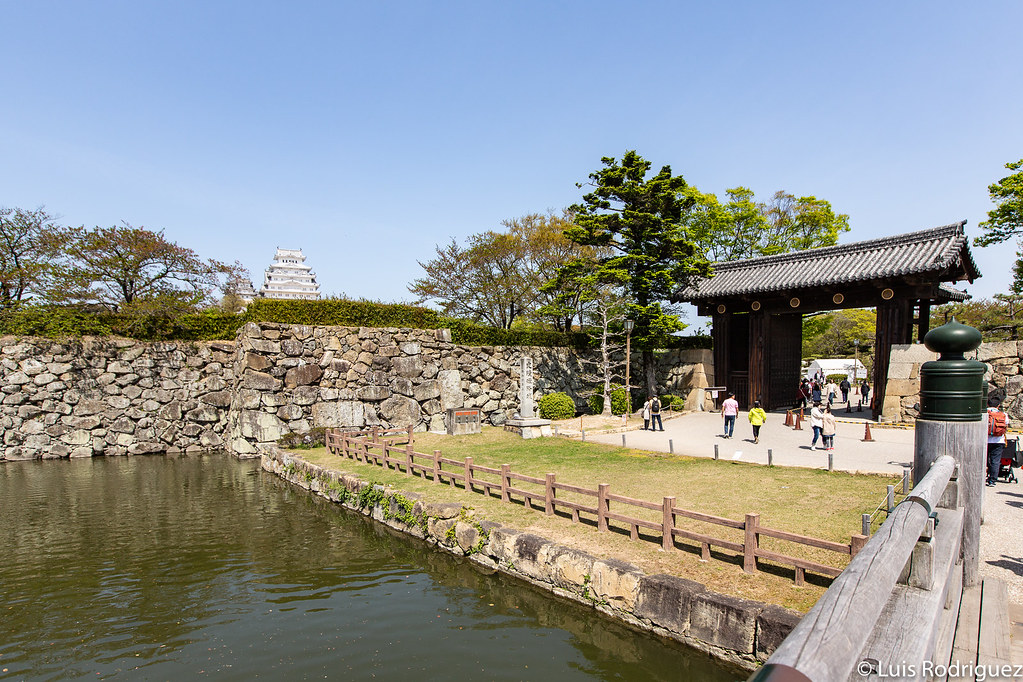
757,417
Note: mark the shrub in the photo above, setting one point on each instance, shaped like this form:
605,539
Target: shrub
673,402
313,438
618,401
837,378
556,406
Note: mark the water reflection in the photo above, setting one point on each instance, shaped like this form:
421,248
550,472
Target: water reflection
166,567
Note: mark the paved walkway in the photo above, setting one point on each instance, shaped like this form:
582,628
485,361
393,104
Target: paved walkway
696,434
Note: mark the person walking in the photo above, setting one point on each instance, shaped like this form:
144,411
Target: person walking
865,392
757,417
997,425
646,415
832,391
844,387
815,391
655,414
817,423
729,410
828,429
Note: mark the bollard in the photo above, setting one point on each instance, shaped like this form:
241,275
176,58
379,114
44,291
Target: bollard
584,435
890,501
866,433
671,447
623,440
906,475
715,450
770,457
555,429
865,523
831,461
952,421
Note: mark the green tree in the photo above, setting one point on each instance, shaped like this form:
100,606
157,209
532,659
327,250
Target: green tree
125,267
642,223
834,334
30,241
1006,218
998,319
804,223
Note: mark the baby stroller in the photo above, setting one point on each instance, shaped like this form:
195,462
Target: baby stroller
1012,458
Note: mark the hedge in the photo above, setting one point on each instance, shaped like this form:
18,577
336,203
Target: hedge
213,324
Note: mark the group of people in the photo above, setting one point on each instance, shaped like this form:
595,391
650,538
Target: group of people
817,389
652,414
821,420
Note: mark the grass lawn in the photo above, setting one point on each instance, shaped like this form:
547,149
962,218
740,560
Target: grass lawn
805,501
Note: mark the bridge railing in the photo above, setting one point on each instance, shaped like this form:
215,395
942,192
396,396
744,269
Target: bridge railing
886,605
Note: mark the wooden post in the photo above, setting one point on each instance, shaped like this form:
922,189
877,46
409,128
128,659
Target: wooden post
603,506
468,474
506,482
548,497
436,466
890,499
749,544
906,474
856,543
966,442
865,525
408,459
667,523
410,435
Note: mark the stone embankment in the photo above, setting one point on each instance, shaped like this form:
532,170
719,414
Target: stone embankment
1003,359
741,632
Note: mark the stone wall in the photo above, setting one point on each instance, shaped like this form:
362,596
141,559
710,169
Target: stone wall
1003,377
292,378
740,631
102,396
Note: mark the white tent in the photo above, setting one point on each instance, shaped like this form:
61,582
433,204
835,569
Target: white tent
853,369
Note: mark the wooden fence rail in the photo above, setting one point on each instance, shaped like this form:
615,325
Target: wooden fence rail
378,447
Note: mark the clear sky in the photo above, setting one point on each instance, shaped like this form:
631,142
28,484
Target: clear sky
366,133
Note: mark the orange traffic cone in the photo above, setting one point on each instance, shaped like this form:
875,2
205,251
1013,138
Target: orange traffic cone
799,422
788,418
866,433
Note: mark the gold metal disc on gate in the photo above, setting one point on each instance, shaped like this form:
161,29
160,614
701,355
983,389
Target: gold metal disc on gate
837,299
794,302
887,294
755,305
721,308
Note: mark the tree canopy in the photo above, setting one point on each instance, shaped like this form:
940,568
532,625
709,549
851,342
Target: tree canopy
124,266
30,241
1006,218
641,223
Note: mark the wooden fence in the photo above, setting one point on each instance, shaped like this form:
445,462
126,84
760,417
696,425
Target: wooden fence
380,447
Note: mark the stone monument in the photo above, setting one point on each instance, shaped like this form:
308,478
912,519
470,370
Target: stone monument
525,422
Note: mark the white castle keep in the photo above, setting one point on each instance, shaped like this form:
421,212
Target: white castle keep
289,277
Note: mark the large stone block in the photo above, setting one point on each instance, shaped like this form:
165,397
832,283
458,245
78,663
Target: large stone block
727,622
667,600
400,411
450,388
260,426
259,381
303,375
997,349
773,625
257,362
616,582
409,367
373,393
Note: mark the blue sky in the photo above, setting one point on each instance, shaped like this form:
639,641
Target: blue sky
367,133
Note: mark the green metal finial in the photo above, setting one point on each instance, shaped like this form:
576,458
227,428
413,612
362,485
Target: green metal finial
952,388
952,339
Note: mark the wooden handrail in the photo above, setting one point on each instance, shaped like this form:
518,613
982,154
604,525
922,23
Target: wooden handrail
827,642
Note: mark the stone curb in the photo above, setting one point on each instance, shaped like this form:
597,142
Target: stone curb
739,632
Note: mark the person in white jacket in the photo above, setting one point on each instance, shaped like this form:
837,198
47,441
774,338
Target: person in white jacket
817,422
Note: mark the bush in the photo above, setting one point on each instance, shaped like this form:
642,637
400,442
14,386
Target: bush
619,401
313,438
556,406
341,312
673,402
837,378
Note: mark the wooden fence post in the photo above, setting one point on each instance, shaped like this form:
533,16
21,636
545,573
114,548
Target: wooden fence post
548,497
856,543
505,482
667,523
468,474
749,545
408,459
603,506
410,435
436,467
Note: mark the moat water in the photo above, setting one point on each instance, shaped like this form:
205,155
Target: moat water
187,567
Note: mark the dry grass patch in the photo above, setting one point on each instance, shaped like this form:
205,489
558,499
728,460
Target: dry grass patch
806,501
